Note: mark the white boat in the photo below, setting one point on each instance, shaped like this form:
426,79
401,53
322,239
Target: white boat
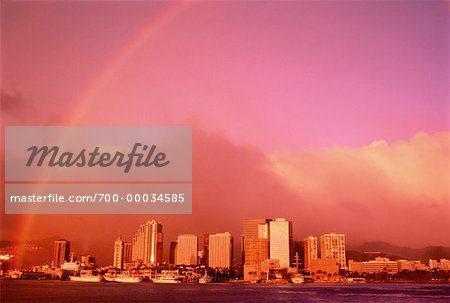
15,274
109,278
356,280
127,279
86,278
165,279
204,279
298,279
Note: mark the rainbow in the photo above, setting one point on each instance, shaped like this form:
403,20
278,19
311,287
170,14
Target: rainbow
144,35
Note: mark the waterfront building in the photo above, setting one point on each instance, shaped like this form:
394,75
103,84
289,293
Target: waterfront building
204,252
281,241
122,253
87,261
255,246
378,265
187,250
325,270
220,250
173,252
148,244
310,251
332,246
118,252
411,265
61,252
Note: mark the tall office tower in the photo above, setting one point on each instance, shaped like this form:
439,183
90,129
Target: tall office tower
127,252
173,252
87,261
332,246
118,252
61,252
255,246
254,229
187,249
122,252
310,249
220,250
205,251
281,241
147,243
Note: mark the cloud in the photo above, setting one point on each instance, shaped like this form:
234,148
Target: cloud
15,107
379,188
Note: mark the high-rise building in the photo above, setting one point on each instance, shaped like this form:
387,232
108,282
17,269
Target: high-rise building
205,251
148,243
332,246
118,253
255,246
251,227
122,252
173,252
87,261
310,250
61,252
127,252
281,241
255,232
220,250
187,249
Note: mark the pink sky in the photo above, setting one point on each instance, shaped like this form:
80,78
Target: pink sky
296,88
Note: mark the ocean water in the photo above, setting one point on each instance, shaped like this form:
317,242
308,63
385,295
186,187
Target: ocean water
67,291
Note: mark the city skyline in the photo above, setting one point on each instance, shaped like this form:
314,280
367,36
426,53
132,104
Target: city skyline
259,240
335,116
165,250
259,252
261,235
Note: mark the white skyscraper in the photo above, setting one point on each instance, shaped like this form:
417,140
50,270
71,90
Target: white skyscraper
220,250
118,252
332,246
187,249
147,243
122,252
281,241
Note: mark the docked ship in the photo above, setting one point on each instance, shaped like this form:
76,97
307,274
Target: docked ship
204,279
127,279
86,278
109,278
122,278
298,279
163,279
167,277
356,280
